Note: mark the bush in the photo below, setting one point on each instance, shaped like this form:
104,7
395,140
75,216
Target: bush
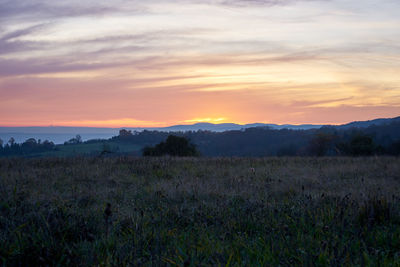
173,146
362,145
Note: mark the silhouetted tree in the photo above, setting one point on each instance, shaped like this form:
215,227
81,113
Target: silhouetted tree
31,141
47,145
76,140
394,148
29,146
320,144
173,146
362,145
125,133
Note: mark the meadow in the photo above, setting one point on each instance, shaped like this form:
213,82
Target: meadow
127,211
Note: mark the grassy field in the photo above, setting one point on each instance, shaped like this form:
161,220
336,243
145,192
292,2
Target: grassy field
200,212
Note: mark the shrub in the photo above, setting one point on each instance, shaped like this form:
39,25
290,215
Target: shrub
173,146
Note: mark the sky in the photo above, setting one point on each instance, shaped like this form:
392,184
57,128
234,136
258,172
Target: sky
135,63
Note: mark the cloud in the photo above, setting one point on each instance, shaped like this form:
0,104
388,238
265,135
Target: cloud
149,59
210,120
9,42
35,9
133,55
246,3
21,32
123,122
321,103
241,3
10,67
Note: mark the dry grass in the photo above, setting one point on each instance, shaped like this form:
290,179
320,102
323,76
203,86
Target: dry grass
199,211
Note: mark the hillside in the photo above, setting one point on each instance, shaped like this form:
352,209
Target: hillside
382,136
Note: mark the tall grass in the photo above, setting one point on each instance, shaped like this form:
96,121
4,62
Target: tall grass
200,212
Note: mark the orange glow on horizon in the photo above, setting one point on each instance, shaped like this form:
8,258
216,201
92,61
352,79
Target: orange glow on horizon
132,123
210,120
115,123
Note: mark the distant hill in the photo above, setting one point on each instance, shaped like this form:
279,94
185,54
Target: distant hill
376,137
221,127
59,134
365,124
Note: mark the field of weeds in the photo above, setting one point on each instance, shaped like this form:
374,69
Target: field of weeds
200,212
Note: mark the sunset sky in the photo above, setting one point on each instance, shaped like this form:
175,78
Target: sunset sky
128,63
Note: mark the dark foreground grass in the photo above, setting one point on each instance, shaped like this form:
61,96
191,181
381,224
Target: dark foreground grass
200,212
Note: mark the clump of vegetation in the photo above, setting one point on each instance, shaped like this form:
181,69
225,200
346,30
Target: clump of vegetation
73,141
173,146
171,211
29,147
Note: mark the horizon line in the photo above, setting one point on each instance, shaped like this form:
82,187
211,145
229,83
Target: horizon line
161,127
185,123
200,122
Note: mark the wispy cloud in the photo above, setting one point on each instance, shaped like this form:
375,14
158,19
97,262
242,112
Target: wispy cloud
210,120
24,9
244,3
125,122
9,42
322,103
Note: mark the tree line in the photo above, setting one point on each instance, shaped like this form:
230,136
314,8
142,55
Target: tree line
29,147
254,142
264,141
